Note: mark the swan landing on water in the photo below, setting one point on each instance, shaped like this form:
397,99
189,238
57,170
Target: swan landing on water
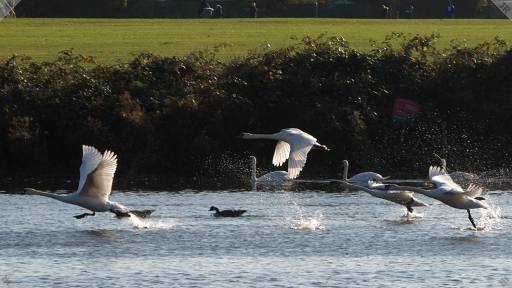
364,181
292,144
450,193
95,185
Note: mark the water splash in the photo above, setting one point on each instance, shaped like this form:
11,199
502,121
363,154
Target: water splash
299,221
410,217
307,223
499,178
148,223
291,212
490,219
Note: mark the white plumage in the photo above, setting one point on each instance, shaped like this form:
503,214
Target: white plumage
95,185
365,181
293,145
271,178
450,193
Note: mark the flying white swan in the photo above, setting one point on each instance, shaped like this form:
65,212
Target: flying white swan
292,144
274,177
96,177
449,192
365,181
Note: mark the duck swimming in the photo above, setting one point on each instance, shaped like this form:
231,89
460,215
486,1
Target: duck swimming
226,213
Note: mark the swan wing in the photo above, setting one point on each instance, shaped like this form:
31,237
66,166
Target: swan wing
98,184
299,152
376,186
281,153
442,180
90,160
473,191
434,171
293,131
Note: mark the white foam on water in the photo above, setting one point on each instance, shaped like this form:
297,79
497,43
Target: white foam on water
470,228
149,223
291,212
299,221
411,216
490,219
308,223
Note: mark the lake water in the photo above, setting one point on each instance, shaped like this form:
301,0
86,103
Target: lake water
286,239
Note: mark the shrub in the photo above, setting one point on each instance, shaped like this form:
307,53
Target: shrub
172,116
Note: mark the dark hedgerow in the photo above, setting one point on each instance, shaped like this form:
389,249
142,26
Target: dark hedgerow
175,116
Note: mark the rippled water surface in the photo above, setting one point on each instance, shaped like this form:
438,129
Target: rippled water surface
286,239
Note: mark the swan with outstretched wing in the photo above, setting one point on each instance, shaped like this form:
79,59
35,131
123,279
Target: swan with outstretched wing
449,192
94,187
293,145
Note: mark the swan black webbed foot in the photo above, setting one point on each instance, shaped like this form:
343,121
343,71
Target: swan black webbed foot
471,219
84,215
120,214
138,213
142,213
408,205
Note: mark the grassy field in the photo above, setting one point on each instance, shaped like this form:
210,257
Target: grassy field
113,40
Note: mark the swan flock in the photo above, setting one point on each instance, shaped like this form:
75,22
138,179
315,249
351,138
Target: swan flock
293,145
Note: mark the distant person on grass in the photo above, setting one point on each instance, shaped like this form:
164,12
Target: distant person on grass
253,10
385,11
202,5
218,13
409,11
450,10
205,11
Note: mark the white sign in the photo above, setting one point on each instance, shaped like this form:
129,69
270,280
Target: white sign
505,6
7,8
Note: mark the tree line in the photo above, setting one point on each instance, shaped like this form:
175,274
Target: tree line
180,116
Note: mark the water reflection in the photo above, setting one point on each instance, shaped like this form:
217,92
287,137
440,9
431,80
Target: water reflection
103,234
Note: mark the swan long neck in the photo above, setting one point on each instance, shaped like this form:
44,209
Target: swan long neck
30,191
443,164
259,136
253,169
345,170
